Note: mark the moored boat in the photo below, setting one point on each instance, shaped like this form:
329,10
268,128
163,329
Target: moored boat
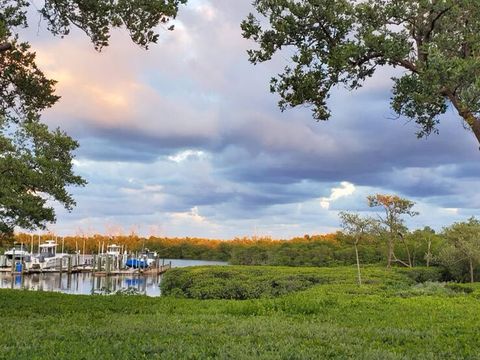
48,258
144,260
114,250
17,253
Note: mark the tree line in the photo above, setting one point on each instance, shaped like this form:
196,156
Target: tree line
383,239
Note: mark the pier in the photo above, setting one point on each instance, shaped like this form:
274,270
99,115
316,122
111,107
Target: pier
97,265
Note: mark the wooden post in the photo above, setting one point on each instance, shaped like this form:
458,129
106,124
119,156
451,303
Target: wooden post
84,252
69,265
13,259
94,263
107,265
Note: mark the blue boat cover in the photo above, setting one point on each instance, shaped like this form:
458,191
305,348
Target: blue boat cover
136,263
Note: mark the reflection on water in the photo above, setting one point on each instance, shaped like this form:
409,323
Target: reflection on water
185,263
87,284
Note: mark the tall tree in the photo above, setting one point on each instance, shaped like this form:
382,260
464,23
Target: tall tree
426,242
35,161
464,239
394,208
344,42
358,228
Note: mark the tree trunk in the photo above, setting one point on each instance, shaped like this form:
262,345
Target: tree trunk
408,250
408,254
358,264
390,250
428,252
466,114
471,270
475,126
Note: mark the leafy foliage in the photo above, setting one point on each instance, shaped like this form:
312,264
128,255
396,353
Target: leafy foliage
344,42
461,256
36,166
394,208
96,18
237,282
358,228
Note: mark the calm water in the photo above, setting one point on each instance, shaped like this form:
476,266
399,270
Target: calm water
86,284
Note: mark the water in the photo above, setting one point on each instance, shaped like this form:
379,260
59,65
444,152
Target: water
86,284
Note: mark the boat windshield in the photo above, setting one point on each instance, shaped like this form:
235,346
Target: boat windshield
148,254
18,247
47,250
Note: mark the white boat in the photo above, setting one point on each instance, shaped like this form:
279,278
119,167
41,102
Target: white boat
149,256
114,250
15,254
48,258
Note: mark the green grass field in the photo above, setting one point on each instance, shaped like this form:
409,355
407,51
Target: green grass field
390,317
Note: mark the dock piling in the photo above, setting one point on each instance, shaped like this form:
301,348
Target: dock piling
94,263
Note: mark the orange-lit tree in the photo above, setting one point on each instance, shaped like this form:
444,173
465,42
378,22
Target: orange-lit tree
394,208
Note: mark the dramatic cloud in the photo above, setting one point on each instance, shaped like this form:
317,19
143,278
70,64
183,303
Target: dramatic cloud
185,140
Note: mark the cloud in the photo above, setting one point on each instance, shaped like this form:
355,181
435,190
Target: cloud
186,139
345,189
185,155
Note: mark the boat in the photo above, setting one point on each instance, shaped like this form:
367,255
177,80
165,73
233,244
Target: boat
136,263
16,254
48,258
114,250
145,259
149,256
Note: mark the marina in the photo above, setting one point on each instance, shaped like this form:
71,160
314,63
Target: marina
112,262
87,282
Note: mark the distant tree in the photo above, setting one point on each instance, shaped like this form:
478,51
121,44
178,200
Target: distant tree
35,161
394,208
464,241
358,228
343,42
426,240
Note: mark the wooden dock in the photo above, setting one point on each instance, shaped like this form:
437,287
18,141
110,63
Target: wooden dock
96,269
148,271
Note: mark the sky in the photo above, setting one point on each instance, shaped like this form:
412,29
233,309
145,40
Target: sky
185,139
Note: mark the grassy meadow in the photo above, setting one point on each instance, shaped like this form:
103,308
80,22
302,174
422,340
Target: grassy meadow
327,316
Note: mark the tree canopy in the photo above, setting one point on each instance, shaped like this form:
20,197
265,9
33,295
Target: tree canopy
394,208
463,239
357,227
344,42
35,161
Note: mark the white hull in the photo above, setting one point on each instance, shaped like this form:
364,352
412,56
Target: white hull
54,262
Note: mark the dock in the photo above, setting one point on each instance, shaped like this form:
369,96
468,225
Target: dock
96,265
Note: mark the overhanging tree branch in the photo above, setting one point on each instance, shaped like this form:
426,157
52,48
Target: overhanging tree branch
5,47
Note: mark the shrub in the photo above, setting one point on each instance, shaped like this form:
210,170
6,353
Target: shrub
239,283
427,288
423,274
